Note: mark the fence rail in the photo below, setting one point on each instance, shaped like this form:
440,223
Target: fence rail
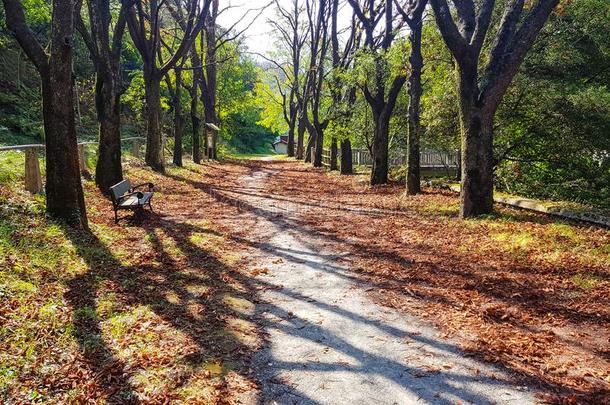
428,159
33,178
325,157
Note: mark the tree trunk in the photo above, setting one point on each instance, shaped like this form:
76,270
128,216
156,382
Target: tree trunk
310,144
196,124
205,143
379,171
477,149
415,92
108,170
290,149
300,138
154,146
211,69
319,146
333,154
346,157
65,199
211,136
458,175
178,119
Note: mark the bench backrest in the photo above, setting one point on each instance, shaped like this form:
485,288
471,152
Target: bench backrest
119,189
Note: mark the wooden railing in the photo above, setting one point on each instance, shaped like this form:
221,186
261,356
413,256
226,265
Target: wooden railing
33,178
325,157
429,159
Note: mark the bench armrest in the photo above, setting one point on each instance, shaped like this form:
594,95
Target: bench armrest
149,185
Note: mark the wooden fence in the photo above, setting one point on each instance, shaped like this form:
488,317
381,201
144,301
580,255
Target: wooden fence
325,157
33,178
428,159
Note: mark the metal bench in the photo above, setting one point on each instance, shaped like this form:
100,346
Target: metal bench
124,196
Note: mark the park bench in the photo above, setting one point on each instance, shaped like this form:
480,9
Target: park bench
124,196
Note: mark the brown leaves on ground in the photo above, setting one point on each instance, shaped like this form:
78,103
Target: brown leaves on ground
161,309
517,288
153,310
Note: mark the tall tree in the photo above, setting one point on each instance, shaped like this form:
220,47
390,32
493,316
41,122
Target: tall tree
293,34
209,81
318,16
64,191
380,97
193,92
412,15
105,53
205,70
175,90
342,95
145,22
480,94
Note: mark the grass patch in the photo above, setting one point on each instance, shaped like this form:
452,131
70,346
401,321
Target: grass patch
585,281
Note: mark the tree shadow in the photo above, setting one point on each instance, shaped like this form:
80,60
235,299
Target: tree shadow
491,282
167,288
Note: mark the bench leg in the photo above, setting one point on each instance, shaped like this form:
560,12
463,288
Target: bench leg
116,217
150,205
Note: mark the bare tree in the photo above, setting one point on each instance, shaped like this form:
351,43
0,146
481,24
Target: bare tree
205,70
209,81
64,191
106,53
380,97
464,32
343,96
412,15
145,20
318,16
293,34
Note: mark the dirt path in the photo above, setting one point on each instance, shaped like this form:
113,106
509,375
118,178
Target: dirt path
329,343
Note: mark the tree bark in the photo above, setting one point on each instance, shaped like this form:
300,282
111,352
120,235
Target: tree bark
346,157
195,120
108,170
415,93
333,154
290,149
476,195
65,197
154,148
211,135
310,144
318,145
300,138
178,118
195,124
380,143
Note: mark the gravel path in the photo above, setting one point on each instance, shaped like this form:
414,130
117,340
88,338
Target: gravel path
329,343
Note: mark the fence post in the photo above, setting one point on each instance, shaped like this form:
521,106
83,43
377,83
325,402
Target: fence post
33,180
82,159
135,147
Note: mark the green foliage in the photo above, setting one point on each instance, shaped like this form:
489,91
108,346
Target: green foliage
246,135
552,129
270,102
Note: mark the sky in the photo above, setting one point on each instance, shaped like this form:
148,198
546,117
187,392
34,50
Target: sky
259,37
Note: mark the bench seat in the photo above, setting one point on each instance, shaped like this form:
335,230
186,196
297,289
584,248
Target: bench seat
133,200
125,196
